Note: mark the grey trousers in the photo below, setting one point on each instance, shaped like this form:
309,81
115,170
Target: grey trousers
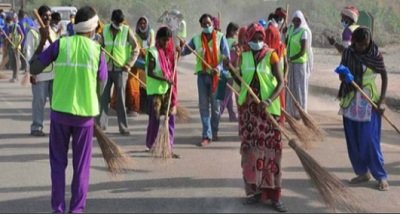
40,92
119,79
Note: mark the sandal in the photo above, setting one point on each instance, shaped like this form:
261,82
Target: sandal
279,207
253,199
360,178
383,185
175,156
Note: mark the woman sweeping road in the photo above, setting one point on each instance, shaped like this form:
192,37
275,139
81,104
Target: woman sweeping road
160,79
261,146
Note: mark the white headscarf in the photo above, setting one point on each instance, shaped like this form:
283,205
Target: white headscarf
87,26
304,25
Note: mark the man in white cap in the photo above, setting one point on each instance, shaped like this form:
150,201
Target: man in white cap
79,68
349,17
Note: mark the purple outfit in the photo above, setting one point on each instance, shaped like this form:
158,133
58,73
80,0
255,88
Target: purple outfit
62,127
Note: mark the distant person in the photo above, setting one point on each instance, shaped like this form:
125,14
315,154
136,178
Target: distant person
362,123
298,41
261,141
16,35
211,45
281,17
226,96
2,24
41,84
25,23
119,40
56,23
349,18
75,103
70,25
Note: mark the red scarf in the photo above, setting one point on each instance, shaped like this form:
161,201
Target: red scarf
167,62
211,58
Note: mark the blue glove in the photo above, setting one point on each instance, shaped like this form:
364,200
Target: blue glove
345,72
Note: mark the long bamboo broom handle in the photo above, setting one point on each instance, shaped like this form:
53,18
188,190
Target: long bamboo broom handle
115,60
293,97
10,41
374,105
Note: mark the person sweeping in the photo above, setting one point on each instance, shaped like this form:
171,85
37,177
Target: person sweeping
362,123
160,79
261,146
79,65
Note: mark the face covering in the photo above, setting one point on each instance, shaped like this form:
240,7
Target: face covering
280,22
208,30
143,30
256,46
115,26
344,24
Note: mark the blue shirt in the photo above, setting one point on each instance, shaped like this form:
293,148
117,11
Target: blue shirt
70,29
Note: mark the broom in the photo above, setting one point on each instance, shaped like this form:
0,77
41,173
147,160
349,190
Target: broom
306,118
343,70
182,112
115,158
25,78
162,148
332,190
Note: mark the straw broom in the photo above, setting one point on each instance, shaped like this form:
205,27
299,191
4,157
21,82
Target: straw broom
116,159
182,113
25,78
306,118
162,148
334,193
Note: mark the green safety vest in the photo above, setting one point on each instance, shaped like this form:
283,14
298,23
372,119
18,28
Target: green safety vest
231,42
75,77
155,86
368,83
266,80
197,40
36,36
294,45
119,47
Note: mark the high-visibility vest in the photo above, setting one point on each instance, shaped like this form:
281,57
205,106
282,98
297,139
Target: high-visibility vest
267,81
294,45
368,82
155,86
197,40
75,77
119,47
146,43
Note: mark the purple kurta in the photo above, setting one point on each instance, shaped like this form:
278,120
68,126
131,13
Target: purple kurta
62,127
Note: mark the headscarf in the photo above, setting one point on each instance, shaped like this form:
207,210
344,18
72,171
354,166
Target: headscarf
372,59
86,26
242,41
281,12
216,23
351,12
251,31
167,65
308,49
273,38
145,34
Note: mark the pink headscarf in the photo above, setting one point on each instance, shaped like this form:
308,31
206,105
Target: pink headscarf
251,31
351,12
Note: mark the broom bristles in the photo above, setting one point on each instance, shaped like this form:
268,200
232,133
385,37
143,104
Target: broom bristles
311,123
303,134
334,193
182,114
116,159
161,148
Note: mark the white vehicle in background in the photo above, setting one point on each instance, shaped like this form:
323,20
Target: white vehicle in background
65,12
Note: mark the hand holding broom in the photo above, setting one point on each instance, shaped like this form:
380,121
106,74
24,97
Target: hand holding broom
343,70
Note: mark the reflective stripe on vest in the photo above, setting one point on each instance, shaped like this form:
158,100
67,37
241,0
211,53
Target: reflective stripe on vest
119,47
197,40
294,46
368,83
155,86
75,77
267,81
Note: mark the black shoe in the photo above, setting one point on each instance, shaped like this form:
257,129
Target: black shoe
175,156
125,132
37,133
253,199
279,207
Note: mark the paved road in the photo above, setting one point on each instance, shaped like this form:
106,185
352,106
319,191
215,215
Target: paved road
204,180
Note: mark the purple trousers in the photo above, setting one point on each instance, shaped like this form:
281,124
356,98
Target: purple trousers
153,125
81,157
228,102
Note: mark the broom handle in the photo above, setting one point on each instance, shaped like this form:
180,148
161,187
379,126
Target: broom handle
39,19
375,106
293,97
196,54
115,60
9,40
